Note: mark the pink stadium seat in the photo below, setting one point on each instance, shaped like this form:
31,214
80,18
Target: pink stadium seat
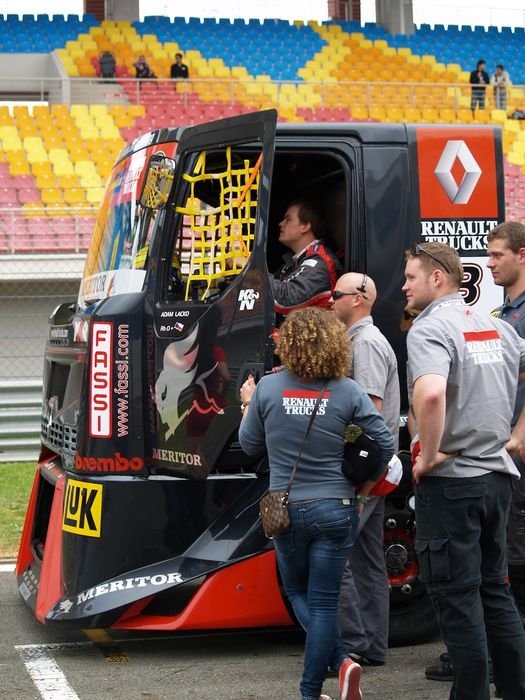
29,195
8,195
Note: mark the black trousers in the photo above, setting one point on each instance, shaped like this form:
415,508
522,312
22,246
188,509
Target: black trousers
461,545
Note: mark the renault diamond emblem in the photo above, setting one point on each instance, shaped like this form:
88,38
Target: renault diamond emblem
458,194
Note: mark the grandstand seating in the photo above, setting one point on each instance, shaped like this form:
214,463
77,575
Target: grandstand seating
54,159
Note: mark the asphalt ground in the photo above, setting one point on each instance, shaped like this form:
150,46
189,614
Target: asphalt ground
38,662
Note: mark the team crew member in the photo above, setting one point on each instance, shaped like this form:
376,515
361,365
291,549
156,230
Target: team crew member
310,275
463,370
365,595
312,554
506,250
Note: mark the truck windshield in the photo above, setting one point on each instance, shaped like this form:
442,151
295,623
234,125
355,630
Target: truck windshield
122,236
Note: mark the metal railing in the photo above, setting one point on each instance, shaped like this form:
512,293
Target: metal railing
258,93
20,418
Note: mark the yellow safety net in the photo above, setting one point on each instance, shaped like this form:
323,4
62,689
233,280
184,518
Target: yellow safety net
221,236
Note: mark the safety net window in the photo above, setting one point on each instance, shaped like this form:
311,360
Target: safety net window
219,215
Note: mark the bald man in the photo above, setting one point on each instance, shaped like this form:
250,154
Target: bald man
365,597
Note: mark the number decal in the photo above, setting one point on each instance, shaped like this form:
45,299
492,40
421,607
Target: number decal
470,287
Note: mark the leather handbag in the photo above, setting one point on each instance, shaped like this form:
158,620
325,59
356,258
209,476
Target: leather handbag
273,506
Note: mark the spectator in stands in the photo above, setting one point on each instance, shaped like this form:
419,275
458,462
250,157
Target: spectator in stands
107,64
142,70
179,69
479,79
500,81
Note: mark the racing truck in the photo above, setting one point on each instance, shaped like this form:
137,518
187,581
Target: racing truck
144,508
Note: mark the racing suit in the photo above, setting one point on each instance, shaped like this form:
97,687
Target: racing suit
306,280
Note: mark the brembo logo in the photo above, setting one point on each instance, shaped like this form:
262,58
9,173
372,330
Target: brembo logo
458,150
457,173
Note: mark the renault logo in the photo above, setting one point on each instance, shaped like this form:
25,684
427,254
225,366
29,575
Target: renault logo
458,194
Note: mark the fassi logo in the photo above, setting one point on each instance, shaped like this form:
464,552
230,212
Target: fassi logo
457,173
101,380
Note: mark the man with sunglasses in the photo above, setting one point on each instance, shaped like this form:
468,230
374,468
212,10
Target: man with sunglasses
310,272
365,597
463,370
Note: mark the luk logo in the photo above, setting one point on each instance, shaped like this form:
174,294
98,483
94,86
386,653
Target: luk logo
457,173
458,150
101,380
83,508
247,297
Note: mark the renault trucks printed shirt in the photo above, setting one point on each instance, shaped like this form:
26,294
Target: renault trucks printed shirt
480,356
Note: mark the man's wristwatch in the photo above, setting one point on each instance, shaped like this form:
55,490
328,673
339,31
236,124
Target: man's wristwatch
244,405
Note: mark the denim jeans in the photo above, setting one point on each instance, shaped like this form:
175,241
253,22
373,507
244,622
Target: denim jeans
312,555
461,544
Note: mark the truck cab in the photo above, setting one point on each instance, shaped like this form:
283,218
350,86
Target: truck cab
144,509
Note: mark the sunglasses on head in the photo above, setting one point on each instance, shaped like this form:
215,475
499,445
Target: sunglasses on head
337,294
418,249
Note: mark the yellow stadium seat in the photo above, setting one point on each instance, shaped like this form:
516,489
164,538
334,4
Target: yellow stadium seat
412,114
63,167
447,115
377,113
58,154
430,115
52,195
45,180
90,180
85,167
74,195
464,115
394,114
19,167
94,195
359,112
37,156
67,181
512,126
42,169
98,110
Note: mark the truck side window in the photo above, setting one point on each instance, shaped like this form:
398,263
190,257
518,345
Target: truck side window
217,230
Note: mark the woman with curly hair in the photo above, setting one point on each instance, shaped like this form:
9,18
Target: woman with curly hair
314,349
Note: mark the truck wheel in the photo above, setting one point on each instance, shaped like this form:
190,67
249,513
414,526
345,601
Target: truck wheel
412,618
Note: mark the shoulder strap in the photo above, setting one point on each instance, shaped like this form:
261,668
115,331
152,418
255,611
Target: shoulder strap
296,463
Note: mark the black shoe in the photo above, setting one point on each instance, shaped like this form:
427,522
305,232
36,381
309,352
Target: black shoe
443,671
365,660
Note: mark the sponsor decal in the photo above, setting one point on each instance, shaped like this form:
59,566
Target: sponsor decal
58,333
177,457
457,173
458,194
247,299
297,402
179,326
101,380
116,463
83,508
127,584
181,371
80,331
484,347
176,314
122,379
